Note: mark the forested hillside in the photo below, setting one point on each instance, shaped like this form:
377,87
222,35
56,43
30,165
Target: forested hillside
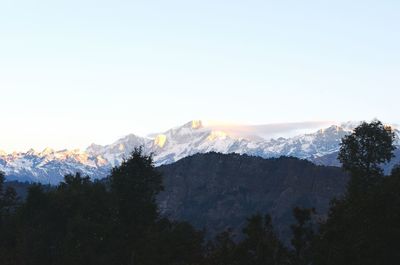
141,214
217,191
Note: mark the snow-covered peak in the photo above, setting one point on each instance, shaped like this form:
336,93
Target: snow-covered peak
196,124
49,166
129,139
333,130
31,152
47,151
94,148
193,124
187,128
118,146
160,140
217,135
350,125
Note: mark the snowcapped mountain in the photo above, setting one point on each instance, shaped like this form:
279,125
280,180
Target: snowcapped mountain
49,166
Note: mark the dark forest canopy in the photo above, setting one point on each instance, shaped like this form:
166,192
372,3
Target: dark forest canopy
215,191
118,221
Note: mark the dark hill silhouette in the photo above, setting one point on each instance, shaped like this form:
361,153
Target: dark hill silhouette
217,191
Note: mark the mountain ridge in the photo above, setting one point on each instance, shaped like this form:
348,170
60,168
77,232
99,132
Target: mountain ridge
217,191
49,166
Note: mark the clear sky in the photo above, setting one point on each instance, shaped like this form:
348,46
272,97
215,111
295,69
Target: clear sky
81,71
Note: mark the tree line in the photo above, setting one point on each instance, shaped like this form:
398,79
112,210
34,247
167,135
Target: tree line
116,220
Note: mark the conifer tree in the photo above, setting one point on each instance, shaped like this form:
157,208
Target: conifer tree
303,235
261,245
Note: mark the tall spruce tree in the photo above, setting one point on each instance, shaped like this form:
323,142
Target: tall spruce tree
134,187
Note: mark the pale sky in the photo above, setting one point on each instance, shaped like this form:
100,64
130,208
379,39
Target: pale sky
76,72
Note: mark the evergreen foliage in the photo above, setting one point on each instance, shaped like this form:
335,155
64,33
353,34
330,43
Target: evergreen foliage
303,235
91,222
117,221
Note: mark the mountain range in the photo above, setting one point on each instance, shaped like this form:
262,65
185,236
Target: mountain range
216,191
49,166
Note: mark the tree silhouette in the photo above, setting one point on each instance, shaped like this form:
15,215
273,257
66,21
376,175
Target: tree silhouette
222,250
363,228
261,245
134,186
362,153
8,204
303,235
